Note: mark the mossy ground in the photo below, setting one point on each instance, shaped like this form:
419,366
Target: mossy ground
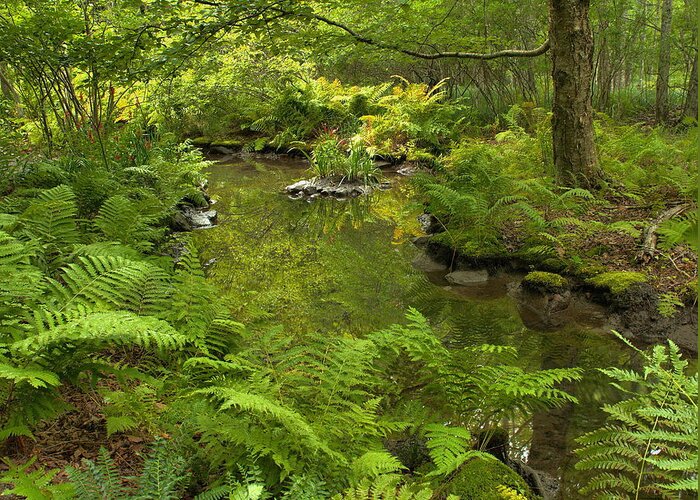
617,281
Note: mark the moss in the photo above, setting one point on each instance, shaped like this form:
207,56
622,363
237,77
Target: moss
543,281
229,143
480,479
617,281
201,141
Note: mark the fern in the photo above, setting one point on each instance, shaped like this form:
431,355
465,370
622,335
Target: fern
50,220
34,484
99,479
163,475
374,463
386,487
679,230
649,443
107,282
99,329
120,219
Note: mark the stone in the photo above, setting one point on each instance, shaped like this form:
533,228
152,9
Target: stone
408,170
297,187
429,223
310,189
199,219
329,187
427,264
466,278
179,223
223,150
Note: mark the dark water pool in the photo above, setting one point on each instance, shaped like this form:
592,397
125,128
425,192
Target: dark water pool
347,266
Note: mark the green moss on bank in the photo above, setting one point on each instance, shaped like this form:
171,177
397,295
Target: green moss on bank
617,281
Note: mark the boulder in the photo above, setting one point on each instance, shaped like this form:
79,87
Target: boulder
179,223
466,278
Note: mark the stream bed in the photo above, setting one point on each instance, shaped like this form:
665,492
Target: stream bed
350,267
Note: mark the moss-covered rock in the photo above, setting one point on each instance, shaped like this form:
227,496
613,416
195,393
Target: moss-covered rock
545,282
617,281
483,479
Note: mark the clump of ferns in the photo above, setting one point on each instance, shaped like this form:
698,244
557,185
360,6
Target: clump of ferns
648,445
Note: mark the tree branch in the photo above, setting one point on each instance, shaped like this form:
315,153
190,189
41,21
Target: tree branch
436,55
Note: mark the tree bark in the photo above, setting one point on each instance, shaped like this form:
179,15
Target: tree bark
691,100
571,39
6,88
664,62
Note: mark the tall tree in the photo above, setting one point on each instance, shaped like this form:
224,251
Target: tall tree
664,62
571,39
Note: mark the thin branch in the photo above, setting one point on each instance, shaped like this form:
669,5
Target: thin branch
436,55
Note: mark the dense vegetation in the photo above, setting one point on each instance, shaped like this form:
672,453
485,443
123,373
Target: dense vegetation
107,316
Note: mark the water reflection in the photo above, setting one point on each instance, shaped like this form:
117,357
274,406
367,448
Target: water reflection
346,267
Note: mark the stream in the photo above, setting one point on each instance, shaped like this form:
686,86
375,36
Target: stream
348,267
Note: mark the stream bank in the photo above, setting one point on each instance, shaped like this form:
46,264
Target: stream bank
632,311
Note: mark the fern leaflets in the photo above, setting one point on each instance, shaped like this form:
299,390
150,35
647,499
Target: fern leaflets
649,443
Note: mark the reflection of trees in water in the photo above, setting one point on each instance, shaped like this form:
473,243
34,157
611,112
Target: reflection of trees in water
328,215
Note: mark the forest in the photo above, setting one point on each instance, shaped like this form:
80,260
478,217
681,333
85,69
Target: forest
358,249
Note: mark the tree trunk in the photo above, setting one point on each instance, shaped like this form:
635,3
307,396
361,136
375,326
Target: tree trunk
604,71
571,38
691,100
7,90
664,62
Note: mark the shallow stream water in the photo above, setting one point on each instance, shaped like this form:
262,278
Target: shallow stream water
347,267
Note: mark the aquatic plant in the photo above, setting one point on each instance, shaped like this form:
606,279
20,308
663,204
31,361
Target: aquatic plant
360,165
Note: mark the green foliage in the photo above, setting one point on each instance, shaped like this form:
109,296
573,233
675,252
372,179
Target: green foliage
385,487
413,117
669,303
450,448
648,445
33,484
679,230
617,281
647,161
329,159
161,477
